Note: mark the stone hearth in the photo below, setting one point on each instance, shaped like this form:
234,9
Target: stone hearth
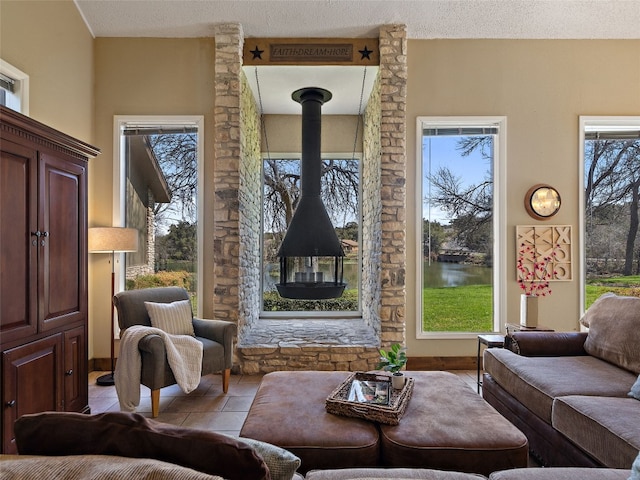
272,345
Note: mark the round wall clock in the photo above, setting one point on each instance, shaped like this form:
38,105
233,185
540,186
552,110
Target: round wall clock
542,202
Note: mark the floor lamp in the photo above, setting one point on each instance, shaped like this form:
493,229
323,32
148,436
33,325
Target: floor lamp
112,240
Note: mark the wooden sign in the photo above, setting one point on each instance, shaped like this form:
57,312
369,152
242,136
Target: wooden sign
306,51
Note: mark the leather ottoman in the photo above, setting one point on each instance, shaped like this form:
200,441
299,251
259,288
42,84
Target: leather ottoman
289,411
448,426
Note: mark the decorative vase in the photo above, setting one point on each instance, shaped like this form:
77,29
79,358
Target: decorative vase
528,311
397,380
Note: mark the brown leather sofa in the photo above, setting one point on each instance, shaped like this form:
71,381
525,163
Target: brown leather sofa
569,392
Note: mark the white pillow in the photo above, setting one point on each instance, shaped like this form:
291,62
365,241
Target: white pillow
635,469
635,393
174,318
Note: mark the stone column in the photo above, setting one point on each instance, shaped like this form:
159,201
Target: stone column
228,68
393,92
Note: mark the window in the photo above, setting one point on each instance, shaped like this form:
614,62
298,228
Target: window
14,88
461,174
610,151
158,179
340,191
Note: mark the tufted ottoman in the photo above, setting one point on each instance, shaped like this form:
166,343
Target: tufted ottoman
446,426
288,411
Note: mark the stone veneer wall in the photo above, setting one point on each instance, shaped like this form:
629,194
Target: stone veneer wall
226,184
237,212
148,268
393,93
250,215
371,210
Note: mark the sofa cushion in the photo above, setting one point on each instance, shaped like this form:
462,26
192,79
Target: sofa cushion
635,389
614,330
604,427
561,473
280,415
536,381
133,435
94,467
282,463
175,318
382,473
448,426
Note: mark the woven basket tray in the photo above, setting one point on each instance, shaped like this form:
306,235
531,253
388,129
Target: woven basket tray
390,414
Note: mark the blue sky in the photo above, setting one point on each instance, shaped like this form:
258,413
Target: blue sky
471,169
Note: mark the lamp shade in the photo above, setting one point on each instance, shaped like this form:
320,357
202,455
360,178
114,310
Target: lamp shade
113,239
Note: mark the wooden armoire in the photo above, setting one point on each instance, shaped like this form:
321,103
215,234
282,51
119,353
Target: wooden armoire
43,270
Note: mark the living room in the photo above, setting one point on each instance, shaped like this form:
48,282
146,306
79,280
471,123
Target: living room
79,82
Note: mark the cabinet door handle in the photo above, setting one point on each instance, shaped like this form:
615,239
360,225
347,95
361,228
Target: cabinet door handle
36,234
68,373
11,404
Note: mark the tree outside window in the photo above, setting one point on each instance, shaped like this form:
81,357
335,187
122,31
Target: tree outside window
340,184
612,210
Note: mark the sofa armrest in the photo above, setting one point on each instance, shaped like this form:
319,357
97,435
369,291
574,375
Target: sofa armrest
220,331
548,344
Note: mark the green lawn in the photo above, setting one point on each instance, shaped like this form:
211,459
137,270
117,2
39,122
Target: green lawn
629,285
469,308
457,309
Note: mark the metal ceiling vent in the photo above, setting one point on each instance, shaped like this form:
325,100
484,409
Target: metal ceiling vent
311,256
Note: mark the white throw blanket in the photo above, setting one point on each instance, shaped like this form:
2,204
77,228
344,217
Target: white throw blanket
184,354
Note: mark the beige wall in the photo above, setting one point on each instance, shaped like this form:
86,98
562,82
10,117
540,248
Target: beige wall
49,41
145,76
284,133
542,87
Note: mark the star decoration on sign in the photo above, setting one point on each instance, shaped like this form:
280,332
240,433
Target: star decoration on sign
365,53
257,53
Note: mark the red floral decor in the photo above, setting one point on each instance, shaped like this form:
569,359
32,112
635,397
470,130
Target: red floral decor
535,272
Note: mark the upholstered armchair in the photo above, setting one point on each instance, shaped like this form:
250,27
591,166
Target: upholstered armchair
216,336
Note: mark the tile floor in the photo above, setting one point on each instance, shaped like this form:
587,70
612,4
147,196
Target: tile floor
206,407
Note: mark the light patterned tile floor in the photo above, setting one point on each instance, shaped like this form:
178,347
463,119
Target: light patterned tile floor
207,407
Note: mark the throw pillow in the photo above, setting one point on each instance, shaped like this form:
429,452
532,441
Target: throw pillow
586,317
133,435
175,318
635,392
614,330
635,469
282,463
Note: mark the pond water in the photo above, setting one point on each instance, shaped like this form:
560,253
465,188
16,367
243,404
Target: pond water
349,274
442,274
436,275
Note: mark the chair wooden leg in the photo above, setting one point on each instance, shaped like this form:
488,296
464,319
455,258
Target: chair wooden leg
155,402
225,380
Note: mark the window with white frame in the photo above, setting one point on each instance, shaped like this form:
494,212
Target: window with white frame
158,177
14,88
340,191
461,172
610,151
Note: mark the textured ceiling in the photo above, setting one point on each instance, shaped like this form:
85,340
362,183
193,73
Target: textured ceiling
424,19
361,18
